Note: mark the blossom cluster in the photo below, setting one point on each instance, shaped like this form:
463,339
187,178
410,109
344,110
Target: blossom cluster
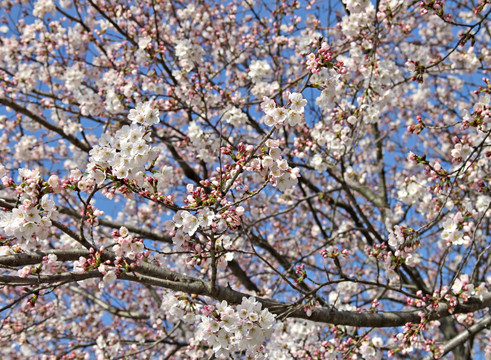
316,61
33,216
94,261
404,242
273,165
49,266
110,275
334,139
124,154
234,116
42,7
412,192
300,339
127,245
361,11
452,232
344,290
277,116
357,6
323,59
463,288
370,349
180,307
413,337
230,330
188,53
187,223
260,72
482,111
332,87
183,228
205,144
144,114
460,152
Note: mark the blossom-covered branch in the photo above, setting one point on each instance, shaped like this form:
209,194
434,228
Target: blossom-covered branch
245,179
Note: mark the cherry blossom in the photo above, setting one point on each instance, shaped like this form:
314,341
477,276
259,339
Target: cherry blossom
245,179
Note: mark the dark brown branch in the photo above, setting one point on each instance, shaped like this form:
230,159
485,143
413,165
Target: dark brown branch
178,282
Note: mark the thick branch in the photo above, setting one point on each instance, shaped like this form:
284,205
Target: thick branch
37,257
152,275
464,336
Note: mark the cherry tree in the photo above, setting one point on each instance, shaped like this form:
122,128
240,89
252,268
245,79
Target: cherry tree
246,179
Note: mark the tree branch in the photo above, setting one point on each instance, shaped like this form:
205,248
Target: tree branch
152,275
